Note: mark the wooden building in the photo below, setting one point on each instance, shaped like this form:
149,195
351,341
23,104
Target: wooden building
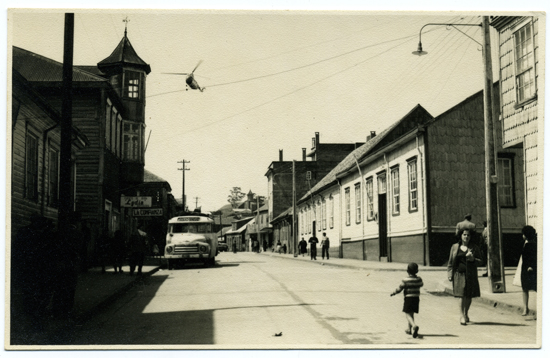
35,144
399,196
109,108
520,115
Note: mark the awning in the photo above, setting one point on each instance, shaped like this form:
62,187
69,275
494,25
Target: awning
266,229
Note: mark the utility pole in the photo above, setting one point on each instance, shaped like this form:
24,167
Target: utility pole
183,169
496,268
196,202
66,201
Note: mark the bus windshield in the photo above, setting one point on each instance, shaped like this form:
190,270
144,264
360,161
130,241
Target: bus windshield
194,228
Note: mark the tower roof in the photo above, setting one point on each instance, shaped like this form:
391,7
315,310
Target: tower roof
124,55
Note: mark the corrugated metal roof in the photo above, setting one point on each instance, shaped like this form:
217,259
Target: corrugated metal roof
124,53
37,68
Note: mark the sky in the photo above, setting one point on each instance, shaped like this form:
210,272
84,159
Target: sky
272,80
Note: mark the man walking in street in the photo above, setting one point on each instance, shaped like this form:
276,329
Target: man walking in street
313,241
325,244
303,247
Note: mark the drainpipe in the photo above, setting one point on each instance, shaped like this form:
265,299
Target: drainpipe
44,147
341,253
362,203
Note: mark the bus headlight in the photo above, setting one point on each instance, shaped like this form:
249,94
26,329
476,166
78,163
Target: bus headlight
169,249
203,249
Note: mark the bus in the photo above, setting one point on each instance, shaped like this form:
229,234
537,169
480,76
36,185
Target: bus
190,238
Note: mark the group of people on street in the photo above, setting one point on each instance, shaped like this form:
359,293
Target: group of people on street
46,263
313,241
465,257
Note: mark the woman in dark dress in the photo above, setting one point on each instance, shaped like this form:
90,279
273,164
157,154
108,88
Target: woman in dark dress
462,271
529,265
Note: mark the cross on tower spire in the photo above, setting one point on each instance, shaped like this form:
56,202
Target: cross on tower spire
126,25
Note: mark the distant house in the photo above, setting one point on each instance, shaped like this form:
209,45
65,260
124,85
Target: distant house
399,196
237,234
261,230
521,80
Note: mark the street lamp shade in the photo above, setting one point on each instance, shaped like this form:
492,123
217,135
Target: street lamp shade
419,51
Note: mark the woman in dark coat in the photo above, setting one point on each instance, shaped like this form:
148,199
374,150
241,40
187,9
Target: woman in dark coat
529,265
462,271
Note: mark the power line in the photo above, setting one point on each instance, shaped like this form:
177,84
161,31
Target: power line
297,90
295,68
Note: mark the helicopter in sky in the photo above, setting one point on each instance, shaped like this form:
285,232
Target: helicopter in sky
190,80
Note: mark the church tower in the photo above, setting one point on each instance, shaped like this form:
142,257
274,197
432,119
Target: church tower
127,74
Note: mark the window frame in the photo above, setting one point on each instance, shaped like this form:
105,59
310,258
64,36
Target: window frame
348,205
132,90
134,146
357,188
395,191
512,187
324,213
369,184
31,165
520,102
331,208
410,163
53,185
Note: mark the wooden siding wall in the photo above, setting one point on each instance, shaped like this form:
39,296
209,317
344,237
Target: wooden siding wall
457,173
517,122
456,160
520,125
33,118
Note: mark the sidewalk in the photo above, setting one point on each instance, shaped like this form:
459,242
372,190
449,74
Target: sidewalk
436,282
94,291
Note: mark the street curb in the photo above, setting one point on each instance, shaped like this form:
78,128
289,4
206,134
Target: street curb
446,290
496,304
84,316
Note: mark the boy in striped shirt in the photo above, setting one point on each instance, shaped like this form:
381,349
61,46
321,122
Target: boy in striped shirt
411,290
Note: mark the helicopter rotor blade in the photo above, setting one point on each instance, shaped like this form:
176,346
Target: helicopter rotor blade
196,66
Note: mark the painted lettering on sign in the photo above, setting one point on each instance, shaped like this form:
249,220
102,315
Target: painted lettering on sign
147,212
136,201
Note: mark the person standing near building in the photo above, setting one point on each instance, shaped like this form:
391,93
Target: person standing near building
119,251
313,241
138,248
303,247
325,245
528,265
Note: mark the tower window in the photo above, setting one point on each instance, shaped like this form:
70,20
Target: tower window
132,82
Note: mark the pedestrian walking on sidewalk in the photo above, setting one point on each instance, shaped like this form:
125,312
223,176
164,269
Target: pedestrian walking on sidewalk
462,272
325,245
411,293
313,241
278,247
138,248
528,265
303,247
119,251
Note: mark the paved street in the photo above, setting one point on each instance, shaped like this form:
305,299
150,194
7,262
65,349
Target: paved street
247,298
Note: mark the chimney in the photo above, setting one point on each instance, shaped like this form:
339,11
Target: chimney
280,155
316,138
372,135
304,154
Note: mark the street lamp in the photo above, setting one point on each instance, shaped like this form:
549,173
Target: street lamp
496,267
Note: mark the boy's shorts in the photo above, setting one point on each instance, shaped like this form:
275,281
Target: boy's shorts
411,304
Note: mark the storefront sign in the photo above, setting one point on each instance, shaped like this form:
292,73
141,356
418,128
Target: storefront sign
147,212
136,201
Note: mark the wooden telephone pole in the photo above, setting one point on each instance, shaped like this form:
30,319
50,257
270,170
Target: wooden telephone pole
183,169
